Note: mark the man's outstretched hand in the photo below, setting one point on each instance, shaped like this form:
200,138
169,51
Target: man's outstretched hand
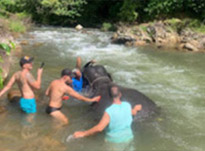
96,99
79,134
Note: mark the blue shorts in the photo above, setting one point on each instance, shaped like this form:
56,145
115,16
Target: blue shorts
28,105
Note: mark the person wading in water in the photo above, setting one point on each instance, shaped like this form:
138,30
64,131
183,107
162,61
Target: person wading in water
26,84
56,91
118,118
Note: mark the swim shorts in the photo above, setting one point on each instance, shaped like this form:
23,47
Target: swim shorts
50,109
28,105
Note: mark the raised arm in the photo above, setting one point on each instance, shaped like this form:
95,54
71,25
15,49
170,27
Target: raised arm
8,86
35,83
78,63
76,95
98,128
137,108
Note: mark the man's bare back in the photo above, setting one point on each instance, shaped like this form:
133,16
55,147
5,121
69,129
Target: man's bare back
23,79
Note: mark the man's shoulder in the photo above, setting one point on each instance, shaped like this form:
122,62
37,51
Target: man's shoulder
28,74
57,83
17,74
54,82
110,108
125,103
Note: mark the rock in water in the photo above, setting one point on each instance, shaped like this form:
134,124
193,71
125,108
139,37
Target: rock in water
2,109
24,42
79,27
14,95
190,47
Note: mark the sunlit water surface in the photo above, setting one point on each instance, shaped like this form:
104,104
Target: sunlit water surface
174,80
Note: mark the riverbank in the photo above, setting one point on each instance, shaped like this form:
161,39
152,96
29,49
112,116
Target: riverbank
11,27
186,34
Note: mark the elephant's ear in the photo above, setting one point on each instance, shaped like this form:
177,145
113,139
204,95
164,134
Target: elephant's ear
109,75
90,63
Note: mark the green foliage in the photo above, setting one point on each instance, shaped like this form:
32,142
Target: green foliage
196,7
175,23
166,8
7,4
158,8
16,26
69,8
195,25
108,27
128,11
23,15
13,45
142,27
63,12
5,47
1,79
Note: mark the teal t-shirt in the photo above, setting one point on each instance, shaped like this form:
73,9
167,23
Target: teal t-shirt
119,129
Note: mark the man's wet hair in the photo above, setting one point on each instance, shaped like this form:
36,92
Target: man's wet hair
67,72
112,93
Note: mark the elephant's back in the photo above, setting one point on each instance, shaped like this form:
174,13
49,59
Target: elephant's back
130,95
135,97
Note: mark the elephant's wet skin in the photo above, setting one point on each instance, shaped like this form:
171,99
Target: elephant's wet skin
100,81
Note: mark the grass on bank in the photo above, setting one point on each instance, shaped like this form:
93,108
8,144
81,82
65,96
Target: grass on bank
7,49
175,24
17,23
194,24
108,27
9,23
16,26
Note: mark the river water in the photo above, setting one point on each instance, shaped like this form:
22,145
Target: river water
174,80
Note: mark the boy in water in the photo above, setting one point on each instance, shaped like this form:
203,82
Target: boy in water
56,91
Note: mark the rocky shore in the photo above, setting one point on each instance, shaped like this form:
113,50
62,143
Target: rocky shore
7,60
163,34
11,26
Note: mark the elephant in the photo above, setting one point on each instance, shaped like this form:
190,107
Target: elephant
99,82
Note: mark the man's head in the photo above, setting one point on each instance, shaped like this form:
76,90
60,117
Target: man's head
67,75
26,62
77,73
115,92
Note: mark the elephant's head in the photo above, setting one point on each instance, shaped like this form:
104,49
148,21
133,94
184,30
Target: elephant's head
95,74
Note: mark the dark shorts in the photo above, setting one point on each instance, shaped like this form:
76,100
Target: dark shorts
50,109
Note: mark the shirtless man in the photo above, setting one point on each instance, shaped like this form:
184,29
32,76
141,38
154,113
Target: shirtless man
26,84
56,91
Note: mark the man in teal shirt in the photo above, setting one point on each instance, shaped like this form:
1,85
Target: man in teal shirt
118,118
